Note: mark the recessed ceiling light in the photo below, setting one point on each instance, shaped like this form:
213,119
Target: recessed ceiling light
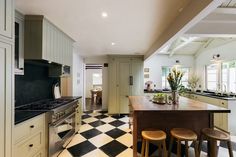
104,14
113,43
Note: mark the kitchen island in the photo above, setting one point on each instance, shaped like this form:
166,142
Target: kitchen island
188,113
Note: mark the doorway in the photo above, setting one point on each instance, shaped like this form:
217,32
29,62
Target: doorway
93,90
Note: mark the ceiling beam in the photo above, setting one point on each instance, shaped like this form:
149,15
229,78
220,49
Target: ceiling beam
220,23
190,15
207,46
203,47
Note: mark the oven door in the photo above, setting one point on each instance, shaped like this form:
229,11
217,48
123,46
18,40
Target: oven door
60,134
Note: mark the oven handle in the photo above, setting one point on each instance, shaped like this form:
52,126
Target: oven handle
61,121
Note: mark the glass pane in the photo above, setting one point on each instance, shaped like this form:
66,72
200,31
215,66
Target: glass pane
211,72
232,79
211,85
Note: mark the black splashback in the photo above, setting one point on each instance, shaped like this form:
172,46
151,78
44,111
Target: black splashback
34,85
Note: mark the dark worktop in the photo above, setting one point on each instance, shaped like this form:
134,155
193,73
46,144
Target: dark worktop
230,98
141,103
204,93
21,116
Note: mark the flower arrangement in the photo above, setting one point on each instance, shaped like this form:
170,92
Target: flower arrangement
192,82
174,78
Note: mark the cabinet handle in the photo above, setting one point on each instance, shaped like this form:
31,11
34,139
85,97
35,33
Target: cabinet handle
21,68
31,145
32,126
130,80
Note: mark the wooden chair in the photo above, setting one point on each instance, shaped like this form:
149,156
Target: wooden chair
158,136
213,136
185,135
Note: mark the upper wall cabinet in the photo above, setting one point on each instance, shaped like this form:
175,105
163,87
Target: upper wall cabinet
6,18
19,43
43,40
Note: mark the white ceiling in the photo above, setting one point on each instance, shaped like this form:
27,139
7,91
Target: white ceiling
133,25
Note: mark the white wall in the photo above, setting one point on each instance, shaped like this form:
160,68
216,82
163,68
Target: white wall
156,63
101,60
89,80
77,81
227,53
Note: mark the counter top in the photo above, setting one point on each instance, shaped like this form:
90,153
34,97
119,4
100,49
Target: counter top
21,115
214,96
142,103
157,91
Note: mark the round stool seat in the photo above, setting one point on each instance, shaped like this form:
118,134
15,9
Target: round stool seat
215,134
183,134
154,135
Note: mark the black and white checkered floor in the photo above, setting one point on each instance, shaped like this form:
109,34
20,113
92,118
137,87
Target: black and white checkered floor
109,136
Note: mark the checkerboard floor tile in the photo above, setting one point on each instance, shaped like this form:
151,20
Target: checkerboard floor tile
102,135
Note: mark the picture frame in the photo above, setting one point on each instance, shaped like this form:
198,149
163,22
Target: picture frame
146,70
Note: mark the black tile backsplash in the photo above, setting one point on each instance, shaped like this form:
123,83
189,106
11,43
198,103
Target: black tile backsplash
34,85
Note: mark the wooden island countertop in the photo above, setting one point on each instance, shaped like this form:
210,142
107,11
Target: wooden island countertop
188,113
142,103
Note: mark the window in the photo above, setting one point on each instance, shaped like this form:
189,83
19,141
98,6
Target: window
185,77
167,70
229,76
211,77
97,79
165,73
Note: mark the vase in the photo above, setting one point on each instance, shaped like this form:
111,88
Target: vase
175,99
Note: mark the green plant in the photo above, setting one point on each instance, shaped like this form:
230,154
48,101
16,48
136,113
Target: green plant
174,78
159,95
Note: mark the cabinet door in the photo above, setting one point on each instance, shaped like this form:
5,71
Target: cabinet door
5,99
124,86
224,116
112,95
6,18
137,74
19,43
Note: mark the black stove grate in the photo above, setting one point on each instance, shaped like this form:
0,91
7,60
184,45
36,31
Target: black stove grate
48,104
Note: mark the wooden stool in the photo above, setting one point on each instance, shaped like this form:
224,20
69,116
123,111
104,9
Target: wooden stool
185,135
213,136
159,136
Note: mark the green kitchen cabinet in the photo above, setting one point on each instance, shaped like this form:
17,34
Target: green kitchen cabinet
6,98
44,41
125,79
19,43
6,19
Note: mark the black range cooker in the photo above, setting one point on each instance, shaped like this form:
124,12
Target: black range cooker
61,120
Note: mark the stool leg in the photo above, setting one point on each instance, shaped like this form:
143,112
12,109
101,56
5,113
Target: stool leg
170,146
186,148
143,148
164,148
213,148
196,149
147,148
178,148
200,145
230,148
159,149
